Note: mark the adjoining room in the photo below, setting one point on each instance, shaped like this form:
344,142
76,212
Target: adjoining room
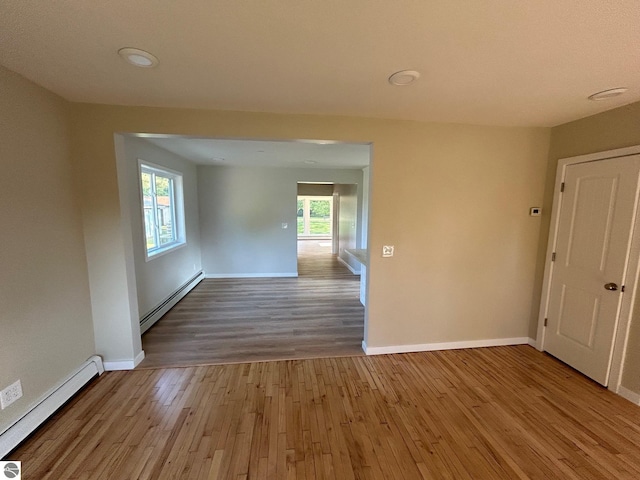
227,274
355,240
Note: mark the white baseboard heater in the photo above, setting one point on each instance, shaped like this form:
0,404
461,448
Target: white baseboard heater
48,405
154,315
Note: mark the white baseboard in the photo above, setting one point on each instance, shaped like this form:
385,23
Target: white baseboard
533,342
346,264
156,314
250,275
48,404
138,358
633,397
429,347
124,364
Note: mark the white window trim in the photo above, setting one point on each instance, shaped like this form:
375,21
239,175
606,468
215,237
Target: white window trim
178,211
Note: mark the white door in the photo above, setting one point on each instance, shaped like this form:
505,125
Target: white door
591,254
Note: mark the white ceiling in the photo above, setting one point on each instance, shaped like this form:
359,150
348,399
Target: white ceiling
254,153
498,62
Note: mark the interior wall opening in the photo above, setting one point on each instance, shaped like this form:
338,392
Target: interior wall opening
241,233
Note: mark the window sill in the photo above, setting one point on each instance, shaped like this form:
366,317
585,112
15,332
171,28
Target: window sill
163,251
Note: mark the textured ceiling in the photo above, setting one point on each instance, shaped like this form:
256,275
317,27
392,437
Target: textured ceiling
499,62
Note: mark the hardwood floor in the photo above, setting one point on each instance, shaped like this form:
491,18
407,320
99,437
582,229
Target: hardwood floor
488,413
315,315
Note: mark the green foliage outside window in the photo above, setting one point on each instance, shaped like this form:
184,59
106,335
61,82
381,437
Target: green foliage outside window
319,208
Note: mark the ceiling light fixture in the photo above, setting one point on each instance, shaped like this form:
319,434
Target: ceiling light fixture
310,162
606,94
138,58
404,77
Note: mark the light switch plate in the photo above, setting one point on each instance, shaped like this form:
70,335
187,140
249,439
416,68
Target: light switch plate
387,251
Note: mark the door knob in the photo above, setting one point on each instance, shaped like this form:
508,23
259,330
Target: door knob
610,286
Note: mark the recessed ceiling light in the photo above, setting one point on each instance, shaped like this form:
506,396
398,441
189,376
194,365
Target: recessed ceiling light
606,94
404,77
138,58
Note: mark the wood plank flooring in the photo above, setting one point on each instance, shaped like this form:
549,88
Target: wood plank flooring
488,413
315,315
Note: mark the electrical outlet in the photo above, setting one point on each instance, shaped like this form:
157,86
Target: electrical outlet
387,251
10,394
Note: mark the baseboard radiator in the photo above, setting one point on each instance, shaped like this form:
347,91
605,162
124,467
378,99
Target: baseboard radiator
48,405
348,265
154,315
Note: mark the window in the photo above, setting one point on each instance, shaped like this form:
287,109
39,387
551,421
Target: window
162,209
315,216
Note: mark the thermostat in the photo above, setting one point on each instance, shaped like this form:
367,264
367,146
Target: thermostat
535,211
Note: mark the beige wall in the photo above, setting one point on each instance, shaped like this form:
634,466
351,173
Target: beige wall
453,199
46,331
616,128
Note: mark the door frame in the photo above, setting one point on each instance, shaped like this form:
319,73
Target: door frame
310,198
631,275
335,229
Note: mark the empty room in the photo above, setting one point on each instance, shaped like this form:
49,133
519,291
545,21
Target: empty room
260,283
350,240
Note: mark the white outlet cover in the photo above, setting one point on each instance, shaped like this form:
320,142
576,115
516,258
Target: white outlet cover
387,251
10,394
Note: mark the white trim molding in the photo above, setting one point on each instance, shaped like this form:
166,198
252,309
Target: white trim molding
49,404
250,275
176,195
633,397
533,342
124,364
430,347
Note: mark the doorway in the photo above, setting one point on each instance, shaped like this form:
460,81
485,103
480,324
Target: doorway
315,217
592,263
